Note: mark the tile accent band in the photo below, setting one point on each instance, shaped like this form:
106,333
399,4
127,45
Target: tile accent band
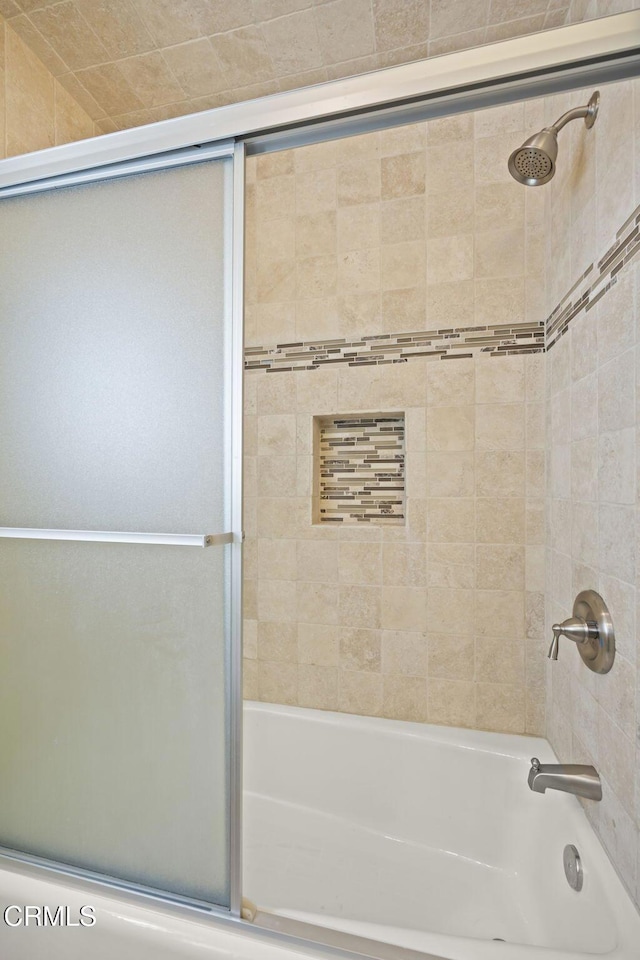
444,344
596,280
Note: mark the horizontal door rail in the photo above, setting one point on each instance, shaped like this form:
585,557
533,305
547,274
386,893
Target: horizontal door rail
112,536
113,171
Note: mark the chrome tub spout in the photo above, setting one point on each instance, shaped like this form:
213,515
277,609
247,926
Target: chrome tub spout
577,778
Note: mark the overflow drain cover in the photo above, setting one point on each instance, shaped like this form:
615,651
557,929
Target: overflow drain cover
573,867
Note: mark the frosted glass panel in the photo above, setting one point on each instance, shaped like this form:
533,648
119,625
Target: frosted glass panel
112,354
114,753
112,711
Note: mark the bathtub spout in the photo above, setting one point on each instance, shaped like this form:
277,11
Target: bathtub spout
577,778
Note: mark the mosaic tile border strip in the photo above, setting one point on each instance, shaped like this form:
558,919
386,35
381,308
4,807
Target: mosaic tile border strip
599,278
445,344
361,469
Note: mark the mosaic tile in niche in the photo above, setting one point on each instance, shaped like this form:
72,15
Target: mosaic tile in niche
360,469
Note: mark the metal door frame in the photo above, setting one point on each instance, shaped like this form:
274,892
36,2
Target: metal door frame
230,538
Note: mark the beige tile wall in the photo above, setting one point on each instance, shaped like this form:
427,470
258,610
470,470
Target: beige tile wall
441,620
592,485
35,110
415,228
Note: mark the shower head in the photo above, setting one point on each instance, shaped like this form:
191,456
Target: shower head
534,163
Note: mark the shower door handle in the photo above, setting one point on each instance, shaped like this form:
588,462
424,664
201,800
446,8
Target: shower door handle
113,536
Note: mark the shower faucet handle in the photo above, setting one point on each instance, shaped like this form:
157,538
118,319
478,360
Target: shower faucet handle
576,629
591,629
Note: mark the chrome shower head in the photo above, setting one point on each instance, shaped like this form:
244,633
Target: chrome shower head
534,163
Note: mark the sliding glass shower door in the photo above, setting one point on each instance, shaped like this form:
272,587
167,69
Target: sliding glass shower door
116,543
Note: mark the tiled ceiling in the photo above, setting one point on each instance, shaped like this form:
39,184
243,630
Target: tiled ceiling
129,62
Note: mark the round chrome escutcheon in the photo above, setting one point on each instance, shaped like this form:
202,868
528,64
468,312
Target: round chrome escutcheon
599,652
573,867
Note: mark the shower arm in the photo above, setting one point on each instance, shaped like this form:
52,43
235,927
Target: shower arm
588,114
576,114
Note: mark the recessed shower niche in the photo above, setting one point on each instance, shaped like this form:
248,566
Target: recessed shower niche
359,469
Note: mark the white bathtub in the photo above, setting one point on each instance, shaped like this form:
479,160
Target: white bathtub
425,837
422,837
